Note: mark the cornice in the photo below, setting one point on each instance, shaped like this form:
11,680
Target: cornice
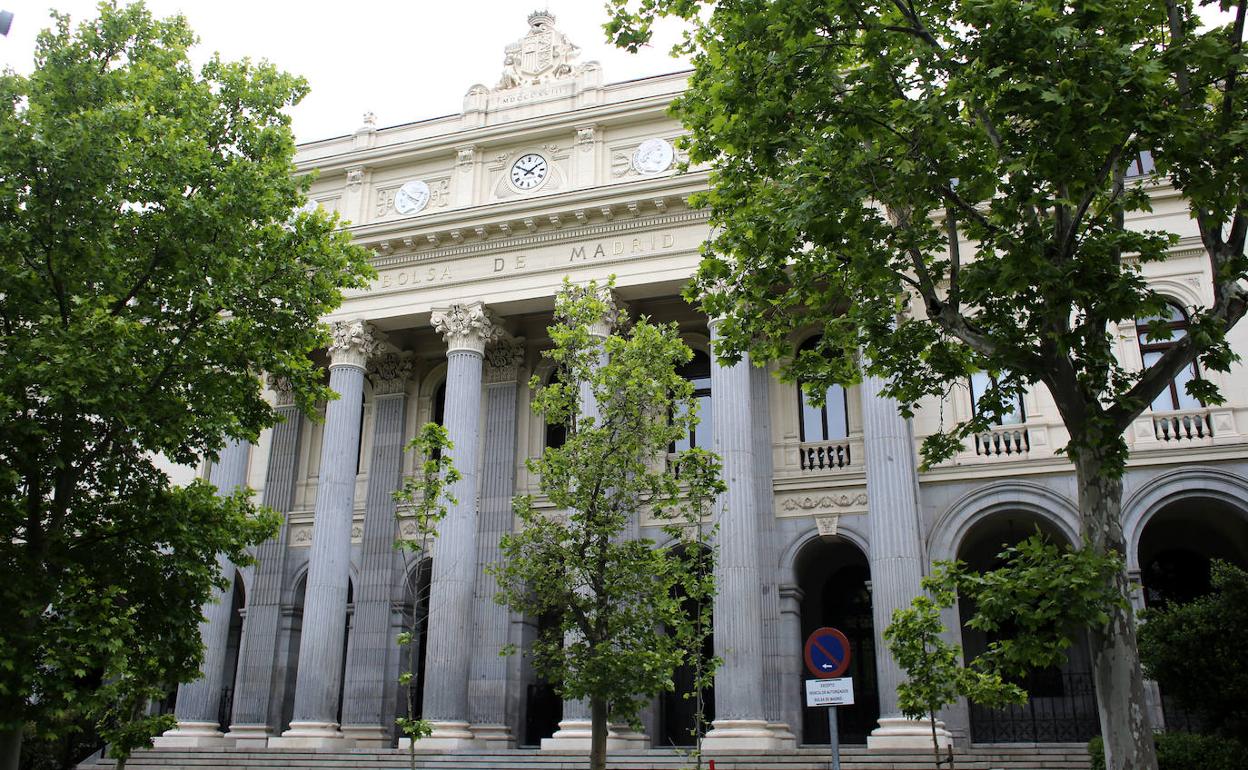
524,129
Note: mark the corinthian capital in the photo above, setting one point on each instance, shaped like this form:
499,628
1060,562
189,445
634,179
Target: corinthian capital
467,326
615,313
354,343
389,372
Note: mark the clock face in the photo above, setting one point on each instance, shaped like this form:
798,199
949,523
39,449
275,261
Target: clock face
653,156
411,197
529,171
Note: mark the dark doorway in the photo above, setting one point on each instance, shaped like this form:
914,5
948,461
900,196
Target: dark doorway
238,599
411,697
1062,703
835,579
543,708
678,709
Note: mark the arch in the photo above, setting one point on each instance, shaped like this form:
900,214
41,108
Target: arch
1174,486
805,537
973,507
697,341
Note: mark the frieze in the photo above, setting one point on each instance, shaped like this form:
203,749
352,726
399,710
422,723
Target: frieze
301,534
816,503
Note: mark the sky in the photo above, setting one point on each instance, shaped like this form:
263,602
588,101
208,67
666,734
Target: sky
403,61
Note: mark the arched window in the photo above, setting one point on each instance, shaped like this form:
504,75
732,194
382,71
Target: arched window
1175,396
829,422
698,371
980,384
439,404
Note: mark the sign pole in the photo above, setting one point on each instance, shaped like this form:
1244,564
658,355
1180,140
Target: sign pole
834,739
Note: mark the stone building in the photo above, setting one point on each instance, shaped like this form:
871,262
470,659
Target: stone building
475,220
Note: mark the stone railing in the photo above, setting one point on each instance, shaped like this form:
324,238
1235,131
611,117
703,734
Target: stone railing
820,456
1003,441
1188,426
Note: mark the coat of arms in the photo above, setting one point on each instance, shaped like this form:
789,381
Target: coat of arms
543,54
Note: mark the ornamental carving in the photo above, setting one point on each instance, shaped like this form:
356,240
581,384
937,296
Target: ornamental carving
467,326
542,55
815,503
355,177
504,358
354,343
389,372
464,157
285,392
585,137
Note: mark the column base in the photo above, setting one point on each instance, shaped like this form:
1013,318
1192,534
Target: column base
366,736
624,738
249,736
446,736
492,736
573,735
741,735
783,734
311,735
192,735
902,733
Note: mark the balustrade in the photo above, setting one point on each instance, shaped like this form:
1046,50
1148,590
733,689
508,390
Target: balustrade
824,456
1003,441
1187,426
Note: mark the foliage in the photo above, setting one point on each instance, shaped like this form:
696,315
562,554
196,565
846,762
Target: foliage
1196,653
1186,751
151,268
944,187
1034,606
423,499
616,595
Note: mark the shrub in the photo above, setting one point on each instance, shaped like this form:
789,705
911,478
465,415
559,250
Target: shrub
1186,751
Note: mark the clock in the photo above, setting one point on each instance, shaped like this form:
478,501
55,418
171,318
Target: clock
529,171
411,197
653,156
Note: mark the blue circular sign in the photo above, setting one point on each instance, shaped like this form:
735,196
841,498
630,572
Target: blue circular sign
827,653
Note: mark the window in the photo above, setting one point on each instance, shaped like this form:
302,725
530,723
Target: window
1175,396
829,422
980,383
698,371
1141,165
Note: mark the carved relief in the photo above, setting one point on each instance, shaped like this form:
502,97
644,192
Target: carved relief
585,137
467,326
355,178
815,503
301,534
622,158
542,55
439,196
828,525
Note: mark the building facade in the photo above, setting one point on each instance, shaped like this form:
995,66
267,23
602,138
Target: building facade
475,220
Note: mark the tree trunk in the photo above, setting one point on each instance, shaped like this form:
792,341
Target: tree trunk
1115,657
10,749
598,734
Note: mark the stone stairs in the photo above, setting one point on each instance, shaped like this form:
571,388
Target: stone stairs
1062,756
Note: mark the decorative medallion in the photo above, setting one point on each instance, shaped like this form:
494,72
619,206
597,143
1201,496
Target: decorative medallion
653,156
412,197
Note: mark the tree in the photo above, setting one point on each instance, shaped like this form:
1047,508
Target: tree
614,595
1195,651
151,268
944,186
1035,605
423,498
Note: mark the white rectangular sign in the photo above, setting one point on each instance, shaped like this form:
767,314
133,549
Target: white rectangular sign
830,692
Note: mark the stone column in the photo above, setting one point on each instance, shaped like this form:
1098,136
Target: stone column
740,716
487,681
314,723
576,727
896,552
199,702
467,329
366,717
255,716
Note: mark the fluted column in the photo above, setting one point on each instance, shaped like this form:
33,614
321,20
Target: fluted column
740,716
896,551
575,727
199,702
487,682
255,716
467,330
314,723
365,706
